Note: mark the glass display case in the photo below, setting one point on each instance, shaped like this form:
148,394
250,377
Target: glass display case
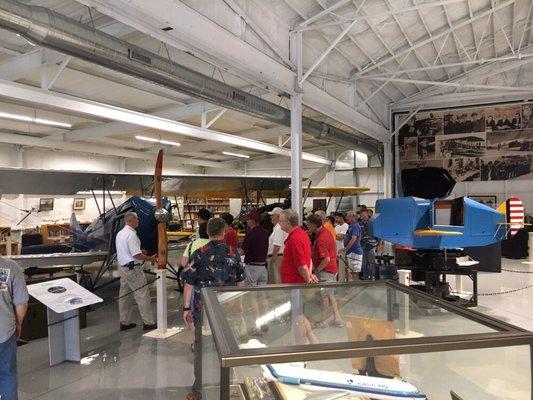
365,340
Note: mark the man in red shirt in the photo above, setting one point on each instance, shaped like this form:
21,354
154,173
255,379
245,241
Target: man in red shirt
324,256
230,235
296,265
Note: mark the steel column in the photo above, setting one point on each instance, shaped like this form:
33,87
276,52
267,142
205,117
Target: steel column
296,126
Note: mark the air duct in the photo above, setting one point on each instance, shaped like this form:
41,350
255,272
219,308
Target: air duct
53,30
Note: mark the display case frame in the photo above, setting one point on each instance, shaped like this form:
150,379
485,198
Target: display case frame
231,355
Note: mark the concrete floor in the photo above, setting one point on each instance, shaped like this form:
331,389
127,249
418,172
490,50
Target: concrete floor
125,365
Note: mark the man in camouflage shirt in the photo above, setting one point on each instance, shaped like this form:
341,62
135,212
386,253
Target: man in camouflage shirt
211,265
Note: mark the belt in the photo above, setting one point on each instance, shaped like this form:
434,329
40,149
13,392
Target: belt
257,264
131,265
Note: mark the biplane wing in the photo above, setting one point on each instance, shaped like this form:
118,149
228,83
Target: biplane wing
316,191
60,182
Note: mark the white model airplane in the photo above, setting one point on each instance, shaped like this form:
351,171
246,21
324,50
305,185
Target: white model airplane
338,384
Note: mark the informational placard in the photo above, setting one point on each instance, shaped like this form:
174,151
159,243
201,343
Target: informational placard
62,295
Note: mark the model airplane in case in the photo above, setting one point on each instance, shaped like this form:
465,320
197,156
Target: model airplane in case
338,384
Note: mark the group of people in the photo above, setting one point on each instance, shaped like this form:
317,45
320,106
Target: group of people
290,254
464,123
504,123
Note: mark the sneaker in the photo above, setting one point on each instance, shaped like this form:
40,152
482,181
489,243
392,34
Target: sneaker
125,327
149,327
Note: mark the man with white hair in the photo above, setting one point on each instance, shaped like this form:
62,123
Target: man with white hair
296,266
132,278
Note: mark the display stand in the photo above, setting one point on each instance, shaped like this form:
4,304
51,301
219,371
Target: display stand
63,297
162,331
63,337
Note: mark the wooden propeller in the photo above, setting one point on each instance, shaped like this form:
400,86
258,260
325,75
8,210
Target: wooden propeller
162,243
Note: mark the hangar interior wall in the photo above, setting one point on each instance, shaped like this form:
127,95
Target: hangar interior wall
488,149
38,158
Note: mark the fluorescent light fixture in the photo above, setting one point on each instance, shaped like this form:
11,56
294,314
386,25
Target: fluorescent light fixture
235,154
20,92
276,313
155,140
39,121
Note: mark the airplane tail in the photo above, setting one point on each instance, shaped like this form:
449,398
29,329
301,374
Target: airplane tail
76,233
513,208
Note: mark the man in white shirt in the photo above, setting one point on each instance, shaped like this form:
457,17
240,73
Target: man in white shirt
341,227
130,258
276,245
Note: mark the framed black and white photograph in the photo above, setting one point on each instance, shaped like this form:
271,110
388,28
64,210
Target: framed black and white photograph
46,204
426,148
464,168
464,121
409,148
490,201
506,167
509,143
467,145
420,163
503,118
527,116
422,124
79,204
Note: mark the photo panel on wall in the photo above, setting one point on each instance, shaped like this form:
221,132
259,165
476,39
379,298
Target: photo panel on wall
506,167
527,116
408,148
463,145
420,163
422,124
508,143
503,118
464,121
463,168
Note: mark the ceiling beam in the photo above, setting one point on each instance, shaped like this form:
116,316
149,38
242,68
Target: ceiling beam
453,84
435,36
212,43
32,95
475,74
25,140
463,99
304,26
118,128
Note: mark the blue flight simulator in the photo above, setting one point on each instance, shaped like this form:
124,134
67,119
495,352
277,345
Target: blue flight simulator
437,233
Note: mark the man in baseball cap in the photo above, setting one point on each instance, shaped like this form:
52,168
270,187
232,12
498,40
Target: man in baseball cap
276,245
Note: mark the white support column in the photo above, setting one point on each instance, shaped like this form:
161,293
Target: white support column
162,331
296,125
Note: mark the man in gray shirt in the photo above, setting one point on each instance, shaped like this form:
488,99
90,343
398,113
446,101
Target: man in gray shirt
13,305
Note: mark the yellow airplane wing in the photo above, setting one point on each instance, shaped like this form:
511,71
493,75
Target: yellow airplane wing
315,191
436,232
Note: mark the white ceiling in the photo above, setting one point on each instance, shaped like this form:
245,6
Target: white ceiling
441,49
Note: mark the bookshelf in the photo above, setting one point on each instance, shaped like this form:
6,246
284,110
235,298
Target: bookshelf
55,233
5,233
217,206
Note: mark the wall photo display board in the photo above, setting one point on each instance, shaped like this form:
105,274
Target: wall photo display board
489,143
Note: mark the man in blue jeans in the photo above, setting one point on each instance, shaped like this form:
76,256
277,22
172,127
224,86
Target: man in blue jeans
13,305
368,243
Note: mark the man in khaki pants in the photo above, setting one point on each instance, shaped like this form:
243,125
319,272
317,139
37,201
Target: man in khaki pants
276,244
130,257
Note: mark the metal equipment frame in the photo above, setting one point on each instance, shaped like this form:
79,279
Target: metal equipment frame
230,355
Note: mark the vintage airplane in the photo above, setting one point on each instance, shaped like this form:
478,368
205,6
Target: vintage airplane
95,244
339,384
